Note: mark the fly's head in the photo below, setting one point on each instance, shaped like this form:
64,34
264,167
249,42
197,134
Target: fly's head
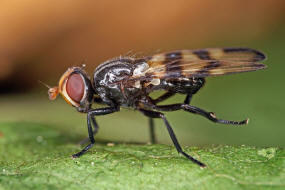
75,87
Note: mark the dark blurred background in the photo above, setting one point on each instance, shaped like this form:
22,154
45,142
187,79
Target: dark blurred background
39,40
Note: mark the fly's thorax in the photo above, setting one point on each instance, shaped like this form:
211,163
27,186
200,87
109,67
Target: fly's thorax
110,77
113,71
140,69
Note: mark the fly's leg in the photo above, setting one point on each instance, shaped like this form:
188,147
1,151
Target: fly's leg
163,97
98,100
150,120
151,131
160,99
188,99
95,125
192,109
153,114
96,128
91,114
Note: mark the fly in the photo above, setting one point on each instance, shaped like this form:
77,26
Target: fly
128,82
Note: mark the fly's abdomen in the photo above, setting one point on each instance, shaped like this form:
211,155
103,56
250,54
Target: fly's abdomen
183,86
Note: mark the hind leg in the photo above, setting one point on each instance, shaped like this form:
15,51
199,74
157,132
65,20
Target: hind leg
192,109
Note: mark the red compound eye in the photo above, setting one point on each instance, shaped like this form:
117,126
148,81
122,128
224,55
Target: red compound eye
75,87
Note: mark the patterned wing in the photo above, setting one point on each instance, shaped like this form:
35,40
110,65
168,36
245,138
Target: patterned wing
203,62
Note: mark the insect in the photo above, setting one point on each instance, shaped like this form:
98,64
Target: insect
128,82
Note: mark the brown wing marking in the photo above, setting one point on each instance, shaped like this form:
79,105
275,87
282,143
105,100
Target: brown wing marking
203,68
240,54
204,62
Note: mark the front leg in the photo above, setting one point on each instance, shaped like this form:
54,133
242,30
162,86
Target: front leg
91,114
96,128
96,99
95,125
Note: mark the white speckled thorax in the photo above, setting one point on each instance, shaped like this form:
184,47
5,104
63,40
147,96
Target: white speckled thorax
110,63
141,69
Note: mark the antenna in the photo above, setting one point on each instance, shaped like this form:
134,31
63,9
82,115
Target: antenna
44,84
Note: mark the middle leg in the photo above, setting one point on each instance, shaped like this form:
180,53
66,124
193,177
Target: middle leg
188,99
150,120
153,114
156,101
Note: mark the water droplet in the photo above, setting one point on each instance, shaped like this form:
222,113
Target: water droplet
40,139
110,144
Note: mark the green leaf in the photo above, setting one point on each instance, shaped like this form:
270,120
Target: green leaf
37,156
